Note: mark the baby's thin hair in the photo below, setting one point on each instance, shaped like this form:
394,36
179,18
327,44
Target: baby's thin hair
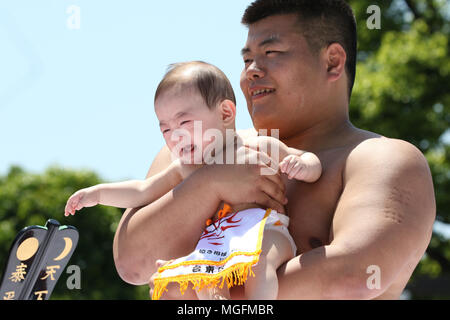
212,84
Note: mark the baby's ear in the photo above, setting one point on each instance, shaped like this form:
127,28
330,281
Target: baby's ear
227,109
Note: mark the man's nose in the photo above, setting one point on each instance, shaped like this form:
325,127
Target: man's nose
254,71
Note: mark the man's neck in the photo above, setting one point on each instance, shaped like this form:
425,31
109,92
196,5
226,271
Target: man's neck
329,133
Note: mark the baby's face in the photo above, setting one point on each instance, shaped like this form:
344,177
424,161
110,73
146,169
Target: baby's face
177,111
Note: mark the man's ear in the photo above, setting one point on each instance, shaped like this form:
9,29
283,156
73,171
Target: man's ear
335,60
227,108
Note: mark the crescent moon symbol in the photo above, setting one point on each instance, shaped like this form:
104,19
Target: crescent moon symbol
67,247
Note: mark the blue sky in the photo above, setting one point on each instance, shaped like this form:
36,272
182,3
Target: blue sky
83,98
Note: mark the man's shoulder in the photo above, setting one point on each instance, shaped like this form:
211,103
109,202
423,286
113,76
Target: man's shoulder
383,147
394,176
385,156
162,160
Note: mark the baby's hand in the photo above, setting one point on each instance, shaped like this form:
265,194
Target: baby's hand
88,197
293,166
306,167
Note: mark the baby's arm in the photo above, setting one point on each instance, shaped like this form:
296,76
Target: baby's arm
297,164
127,194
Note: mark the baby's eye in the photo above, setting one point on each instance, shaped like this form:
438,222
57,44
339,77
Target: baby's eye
184,122
165,131
271,52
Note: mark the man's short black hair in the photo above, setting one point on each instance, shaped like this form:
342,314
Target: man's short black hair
322,22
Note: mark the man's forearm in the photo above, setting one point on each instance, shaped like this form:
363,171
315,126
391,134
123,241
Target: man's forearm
167,228
323,273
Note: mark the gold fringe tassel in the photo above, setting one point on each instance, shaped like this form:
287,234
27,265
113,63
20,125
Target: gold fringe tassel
235,275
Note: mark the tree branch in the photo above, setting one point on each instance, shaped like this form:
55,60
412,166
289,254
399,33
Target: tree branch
433,8
436,22
411,5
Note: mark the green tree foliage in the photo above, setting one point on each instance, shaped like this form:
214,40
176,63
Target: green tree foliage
31,199
402,91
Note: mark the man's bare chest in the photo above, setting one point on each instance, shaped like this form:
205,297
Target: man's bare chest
311,207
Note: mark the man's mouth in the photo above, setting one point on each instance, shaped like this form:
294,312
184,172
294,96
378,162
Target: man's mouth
259,93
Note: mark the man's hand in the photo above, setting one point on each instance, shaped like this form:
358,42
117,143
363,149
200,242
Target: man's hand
246,183
88,197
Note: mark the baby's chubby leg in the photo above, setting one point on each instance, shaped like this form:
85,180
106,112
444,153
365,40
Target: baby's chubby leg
215,293
276,249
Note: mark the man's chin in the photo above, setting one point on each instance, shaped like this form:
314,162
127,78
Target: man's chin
265,122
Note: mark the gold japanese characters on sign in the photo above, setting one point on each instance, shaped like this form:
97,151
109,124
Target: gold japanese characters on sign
37,256
25,251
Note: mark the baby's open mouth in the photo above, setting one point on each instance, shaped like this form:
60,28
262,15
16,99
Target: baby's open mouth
187,149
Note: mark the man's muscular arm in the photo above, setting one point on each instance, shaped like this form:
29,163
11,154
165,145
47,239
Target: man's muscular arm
383,218
171,226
